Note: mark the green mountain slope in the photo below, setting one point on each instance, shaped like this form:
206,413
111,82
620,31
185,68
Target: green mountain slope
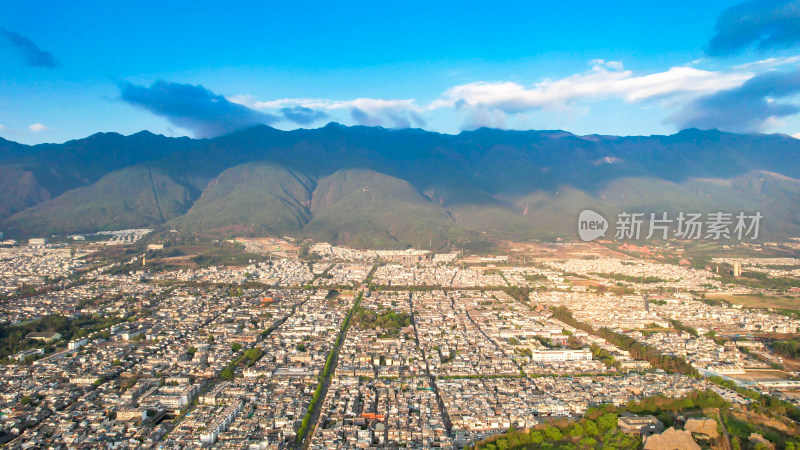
364,208
19,189
134,197
775,196
253,199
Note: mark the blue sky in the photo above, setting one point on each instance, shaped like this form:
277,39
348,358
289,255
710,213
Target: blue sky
70,69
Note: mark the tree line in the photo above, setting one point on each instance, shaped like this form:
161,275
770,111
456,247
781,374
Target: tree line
636,349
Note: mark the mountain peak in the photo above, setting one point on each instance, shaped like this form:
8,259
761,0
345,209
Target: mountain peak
697,132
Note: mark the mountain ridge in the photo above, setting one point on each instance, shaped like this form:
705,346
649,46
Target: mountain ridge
479,184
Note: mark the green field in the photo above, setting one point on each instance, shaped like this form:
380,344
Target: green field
757,375
760,301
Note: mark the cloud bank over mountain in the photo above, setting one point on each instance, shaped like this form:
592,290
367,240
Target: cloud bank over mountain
692,97
193,107
764,24
749,107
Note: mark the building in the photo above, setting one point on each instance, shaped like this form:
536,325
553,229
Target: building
37,241
642,425
702,428
221,422
84,380
77,343
737,269
131,334
131,414
632,364
671,439
548,355
22,356
43,336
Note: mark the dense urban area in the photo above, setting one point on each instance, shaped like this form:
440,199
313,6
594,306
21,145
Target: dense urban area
124,340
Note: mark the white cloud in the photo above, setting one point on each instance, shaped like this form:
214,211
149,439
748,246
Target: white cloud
696,62
613,65
487,103
371,105
768,63
597,84
37,127
796,135
479,117
2,127
400,113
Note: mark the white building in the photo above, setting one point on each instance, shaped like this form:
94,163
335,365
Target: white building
37,241
76,344
548,355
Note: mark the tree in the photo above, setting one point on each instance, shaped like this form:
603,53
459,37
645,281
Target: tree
587,443
226,374
553,433
576,430
590,428
253,354
606,422
235,347
615,439
536,437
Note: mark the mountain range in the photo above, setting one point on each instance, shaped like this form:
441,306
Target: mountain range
373,187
